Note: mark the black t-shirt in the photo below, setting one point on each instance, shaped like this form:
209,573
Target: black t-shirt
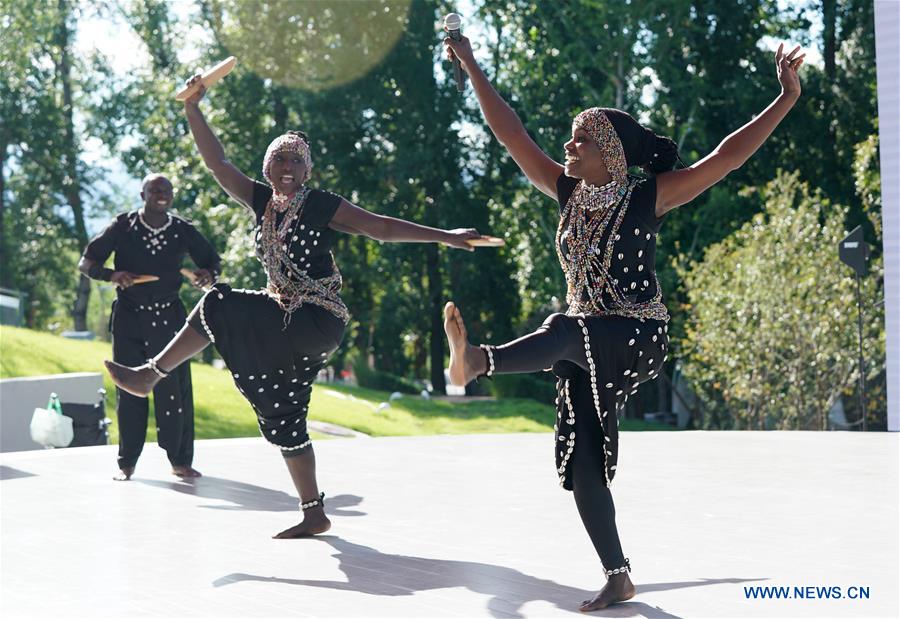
144,250
309,245
633,262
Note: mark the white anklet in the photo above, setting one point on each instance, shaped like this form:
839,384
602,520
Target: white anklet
151,363
313,503
489,351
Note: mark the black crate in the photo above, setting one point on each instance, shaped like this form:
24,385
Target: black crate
89,422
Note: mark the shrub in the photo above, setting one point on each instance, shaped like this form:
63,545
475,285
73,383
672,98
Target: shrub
382,381
771,338
537,387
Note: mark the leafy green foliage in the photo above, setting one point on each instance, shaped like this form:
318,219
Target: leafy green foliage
390,133
40,205
771,340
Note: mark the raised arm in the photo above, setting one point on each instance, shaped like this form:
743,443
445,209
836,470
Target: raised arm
355,220
232,180
681,186
540,169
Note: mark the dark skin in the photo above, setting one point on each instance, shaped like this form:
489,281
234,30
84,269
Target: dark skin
288,173
583,159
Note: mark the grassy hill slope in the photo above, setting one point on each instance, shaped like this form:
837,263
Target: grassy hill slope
221,411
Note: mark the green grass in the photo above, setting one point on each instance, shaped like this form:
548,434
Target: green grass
221,411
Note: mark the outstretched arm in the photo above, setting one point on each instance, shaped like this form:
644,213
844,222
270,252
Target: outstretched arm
232,180
540,169
681,186
355,220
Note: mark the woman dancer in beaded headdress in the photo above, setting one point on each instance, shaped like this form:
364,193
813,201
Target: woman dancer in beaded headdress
274,341
614,335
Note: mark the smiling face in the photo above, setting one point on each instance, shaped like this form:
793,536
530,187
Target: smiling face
584,159
157,194
287,171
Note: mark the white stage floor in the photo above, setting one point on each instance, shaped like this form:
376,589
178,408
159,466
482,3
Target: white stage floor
455,526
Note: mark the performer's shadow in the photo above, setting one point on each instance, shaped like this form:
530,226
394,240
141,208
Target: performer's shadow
243,496
374,573
8,472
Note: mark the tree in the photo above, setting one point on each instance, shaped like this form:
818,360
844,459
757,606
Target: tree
371,138
389,131
72,182
771,340
43,175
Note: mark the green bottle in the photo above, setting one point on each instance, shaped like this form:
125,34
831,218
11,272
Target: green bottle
54,405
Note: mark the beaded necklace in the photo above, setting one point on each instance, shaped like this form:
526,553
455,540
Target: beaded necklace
590,223
153,238
595,198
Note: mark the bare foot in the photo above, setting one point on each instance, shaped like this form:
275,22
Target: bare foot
618,589
185,471
125,474
466,361
137,381
315,522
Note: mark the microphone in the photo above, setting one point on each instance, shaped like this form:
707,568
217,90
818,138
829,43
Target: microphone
452,22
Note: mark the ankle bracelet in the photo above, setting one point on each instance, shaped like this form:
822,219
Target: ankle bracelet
151,363
489,353
313,503
619,570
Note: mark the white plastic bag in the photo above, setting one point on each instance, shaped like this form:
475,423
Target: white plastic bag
50,429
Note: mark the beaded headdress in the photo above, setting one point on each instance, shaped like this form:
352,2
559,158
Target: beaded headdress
598,126
291,143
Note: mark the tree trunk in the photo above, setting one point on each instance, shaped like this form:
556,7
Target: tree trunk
433,178
71,182
829,37
620,82
5,278
420,357
279,109
662,394
435,304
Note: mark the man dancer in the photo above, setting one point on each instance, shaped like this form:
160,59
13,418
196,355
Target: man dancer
145,316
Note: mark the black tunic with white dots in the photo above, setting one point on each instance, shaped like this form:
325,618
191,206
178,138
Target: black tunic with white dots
151,311
274,357
145,250
626,350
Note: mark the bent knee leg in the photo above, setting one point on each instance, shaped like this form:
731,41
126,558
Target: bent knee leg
568,336
557,323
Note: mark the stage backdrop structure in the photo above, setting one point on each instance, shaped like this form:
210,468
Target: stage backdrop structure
887,54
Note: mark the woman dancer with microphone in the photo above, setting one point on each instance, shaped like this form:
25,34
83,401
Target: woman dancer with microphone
614,335
275,341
